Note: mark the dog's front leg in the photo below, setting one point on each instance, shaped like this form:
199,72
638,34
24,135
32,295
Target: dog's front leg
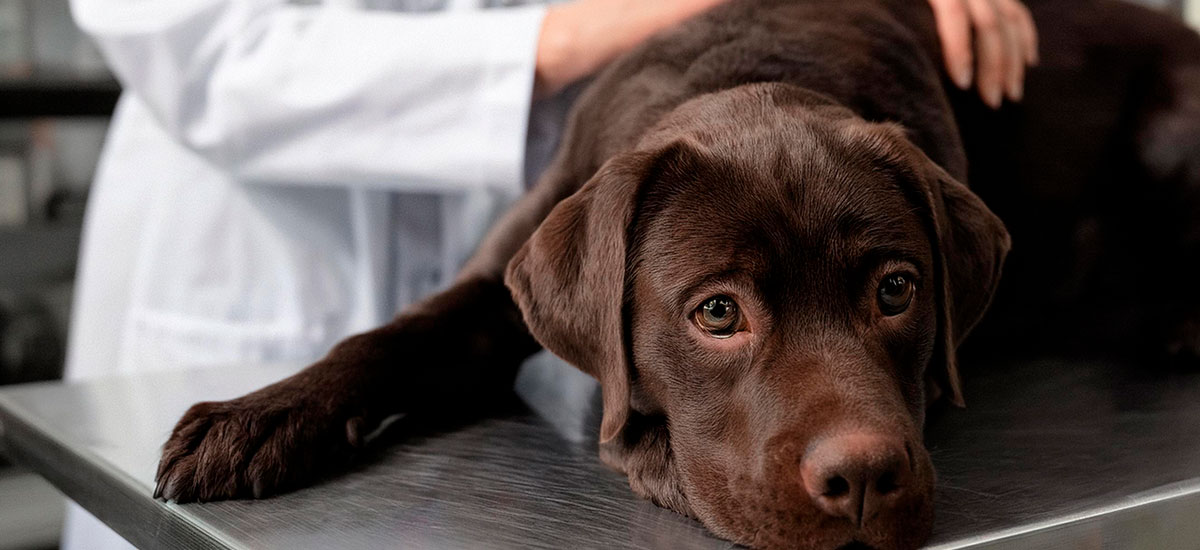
452,352
455,351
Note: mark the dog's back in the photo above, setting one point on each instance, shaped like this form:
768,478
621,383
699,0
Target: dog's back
874,57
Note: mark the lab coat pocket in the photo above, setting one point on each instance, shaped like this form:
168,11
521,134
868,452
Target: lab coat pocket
235,276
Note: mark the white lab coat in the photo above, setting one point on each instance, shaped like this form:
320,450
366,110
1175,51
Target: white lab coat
280,175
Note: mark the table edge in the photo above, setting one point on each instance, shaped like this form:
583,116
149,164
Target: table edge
116,499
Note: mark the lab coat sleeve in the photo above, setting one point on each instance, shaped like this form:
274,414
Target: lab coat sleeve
280,93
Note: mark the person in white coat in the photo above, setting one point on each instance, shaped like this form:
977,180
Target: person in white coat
279,175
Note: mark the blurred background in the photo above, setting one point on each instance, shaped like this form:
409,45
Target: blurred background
55,99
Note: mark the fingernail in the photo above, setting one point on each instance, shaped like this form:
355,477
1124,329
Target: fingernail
993,97
1018,91
962,77
158,489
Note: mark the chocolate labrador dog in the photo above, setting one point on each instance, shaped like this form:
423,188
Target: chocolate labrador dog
756,236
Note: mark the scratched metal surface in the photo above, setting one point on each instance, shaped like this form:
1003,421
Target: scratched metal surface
1050,454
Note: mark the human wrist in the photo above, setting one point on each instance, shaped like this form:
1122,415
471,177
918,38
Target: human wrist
579,37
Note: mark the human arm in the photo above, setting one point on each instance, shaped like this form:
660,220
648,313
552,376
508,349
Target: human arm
322,94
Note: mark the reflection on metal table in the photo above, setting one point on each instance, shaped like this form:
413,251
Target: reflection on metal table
1049,454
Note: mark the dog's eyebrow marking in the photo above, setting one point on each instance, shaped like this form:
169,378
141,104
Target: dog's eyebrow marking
882,232
708,280
880,254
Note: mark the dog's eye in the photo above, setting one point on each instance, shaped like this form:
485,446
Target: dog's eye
895,293
719,316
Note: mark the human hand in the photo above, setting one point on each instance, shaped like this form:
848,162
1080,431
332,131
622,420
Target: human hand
580,37
1005,42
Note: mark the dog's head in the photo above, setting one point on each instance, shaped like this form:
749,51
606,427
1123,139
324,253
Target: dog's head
767,288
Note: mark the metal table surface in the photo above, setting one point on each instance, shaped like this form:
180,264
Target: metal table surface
1049,454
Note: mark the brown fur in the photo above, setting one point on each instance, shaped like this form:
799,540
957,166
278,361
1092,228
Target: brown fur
788,154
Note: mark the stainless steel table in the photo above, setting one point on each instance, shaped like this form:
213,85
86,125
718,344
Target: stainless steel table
1050,454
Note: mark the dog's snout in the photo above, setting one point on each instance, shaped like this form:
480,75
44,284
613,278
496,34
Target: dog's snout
856,476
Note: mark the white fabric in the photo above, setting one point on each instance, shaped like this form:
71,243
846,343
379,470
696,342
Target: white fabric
278,176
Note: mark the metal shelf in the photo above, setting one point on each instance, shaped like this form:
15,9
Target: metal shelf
57,97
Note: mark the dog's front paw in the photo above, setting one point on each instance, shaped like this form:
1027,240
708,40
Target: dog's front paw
269,441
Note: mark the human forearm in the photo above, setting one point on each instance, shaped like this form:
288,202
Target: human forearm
580,37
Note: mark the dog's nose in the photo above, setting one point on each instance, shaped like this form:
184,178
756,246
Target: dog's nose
856,476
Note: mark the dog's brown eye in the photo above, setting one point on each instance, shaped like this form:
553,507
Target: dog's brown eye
719,316
895,293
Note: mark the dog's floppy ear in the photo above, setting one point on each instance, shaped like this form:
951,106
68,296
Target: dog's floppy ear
569,279
972,244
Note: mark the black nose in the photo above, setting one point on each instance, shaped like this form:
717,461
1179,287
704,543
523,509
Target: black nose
856,475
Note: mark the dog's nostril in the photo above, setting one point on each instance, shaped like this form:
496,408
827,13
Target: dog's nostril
856,476
836,486
886,483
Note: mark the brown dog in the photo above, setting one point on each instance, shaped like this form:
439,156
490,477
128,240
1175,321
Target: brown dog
755,237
